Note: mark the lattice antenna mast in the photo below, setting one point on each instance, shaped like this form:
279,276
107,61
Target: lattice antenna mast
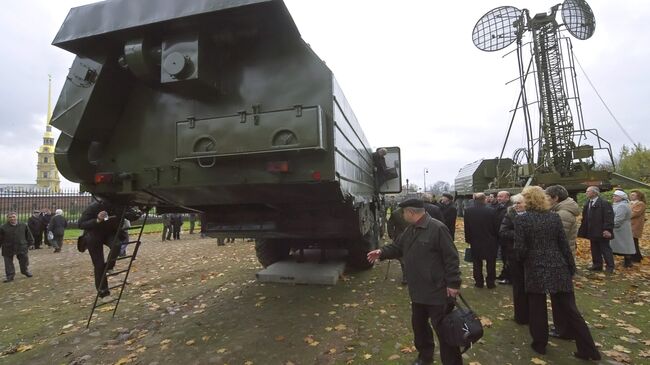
504,25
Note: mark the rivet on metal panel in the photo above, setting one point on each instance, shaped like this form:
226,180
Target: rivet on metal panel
298,110
256,112
242,116
192,121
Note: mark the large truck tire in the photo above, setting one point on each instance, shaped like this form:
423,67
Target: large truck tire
270,251
358,251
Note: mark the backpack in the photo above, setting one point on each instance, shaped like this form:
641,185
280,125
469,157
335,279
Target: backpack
461,327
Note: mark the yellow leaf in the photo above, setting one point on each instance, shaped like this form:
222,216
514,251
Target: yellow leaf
189,343
474,363
340,327
248,363
331,351
221,351
486,322
165,341
23,348
314,343
279,338
537,361
407,350
622,349
367,356
395,357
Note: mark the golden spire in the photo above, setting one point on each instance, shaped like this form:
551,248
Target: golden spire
49,99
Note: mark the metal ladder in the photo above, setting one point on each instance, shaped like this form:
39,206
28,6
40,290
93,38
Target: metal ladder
117,272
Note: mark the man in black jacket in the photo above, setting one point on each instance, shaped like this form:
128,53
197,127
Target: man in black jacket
481,234
432,210
15,239
449,213
101,223
36,228
503,202
598,226
427,248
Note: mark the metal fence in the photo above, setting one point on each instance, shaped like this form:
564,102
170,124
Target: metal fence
23,203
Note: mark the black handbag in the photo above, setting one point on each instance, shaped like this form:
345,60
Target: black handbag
81,243
461,327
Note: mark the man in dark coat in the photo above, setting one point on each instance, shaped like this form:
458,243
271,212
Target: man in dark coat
36,228
481,234
503,202
192,222
432,266
46,216
449,213
432,210
598,226
15,240
167,226
177,222
101,224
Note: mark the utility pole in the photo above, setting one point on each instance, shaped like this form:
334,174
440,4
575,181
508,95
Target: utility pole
407,188
426,171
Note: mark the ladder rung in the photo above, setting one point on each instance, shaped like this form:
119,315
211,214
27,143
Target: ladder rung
134,227
123,257
117,273
132,242
116,286
104,303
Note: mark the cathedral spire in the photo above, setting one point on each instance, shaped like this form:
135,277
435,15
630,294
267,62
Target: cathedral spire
47,175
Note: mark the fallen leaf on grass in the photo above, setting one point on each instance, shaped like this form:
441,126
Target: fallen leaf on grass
23,348
407,350
189,343
340,327
621,349
486,322
618,356
537,361
644,354
367,356
395,357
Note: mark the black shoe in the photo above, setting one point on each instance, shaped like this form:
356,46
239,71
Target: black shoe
539,349
28,274
595,268
555,334
104,293
609,271
594,356
404,282
478,285
7,280
491,285
504,282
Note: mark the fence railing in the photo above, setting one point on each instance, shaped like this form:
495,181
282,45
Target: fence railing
71,201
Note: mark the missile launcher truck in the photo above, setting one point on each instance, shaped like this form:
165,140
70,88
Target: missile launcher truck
219,107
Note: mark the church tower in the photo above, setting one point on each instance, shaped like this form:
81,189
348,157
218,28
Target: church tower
47,176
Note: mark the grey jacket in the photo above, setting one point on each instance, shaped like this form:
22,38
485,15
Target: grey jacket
623,241
430,260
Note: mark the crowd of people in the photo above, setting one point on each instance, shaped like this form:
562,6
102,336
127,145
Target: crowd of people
535,234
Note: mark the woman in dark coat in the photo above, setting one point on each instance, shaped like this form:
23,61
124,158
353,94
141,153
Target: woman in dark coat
507,236
548,266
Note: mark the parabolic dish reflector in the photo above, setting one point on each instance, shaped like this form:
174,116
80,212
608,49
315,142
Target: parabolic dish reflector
578,18
497,29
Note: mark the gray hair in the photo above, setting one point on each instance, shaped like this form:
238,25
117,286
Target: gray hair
595,189
58,212
517,198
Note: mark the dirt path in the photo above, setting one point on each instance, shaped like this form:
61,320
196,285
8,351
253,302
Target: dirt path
193,302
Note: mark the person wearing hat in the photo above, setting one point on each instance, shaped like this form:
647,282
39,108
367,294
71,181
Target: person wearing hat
449,213
426,248
623,241
35,225
598,226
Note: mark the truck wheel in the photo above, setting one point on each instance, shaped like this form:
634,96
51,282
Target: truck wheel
270,251
358,251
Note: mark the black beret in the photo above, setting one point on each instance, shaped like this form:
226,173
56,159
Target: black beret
412,203
448,196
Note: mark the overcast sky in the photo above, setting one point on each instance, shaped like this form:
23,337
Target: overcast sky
410,72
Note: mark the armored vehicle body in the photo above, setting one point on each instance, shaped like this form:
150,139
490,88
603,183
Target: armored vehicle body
218,107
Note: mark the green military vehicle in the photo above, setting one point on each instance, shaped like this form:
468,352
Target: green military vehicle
219,107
